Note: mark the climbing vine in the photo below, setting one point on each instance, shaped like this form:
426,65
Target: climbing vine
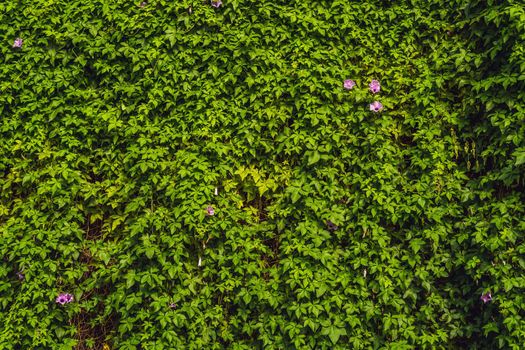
244,174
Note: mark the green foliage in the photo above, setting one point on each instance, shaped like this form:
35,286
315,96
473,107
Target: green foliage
119,121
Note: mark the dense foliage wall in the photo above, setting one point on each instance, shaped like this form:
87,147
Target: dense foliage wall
196,175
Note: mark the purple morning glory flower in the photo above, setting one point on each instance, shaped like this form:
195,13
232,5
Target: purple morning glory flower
376,106
486,297
216,3
143,4
18,43
374,86
210,211
64,298
349,84
173,306
20,275
331,226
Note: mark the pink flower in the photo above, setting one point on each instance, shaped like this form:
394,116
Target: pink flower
216,3
331,226
374,86
376,106
349,84
210,211
486,297
64,298
18,43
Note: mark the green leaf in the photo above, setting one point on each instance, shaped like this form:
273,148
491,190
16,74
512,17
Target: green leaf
314,157
334,333
520,157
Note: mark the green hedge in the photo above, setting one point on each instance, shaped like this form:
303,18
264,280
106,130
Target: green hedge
125,125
